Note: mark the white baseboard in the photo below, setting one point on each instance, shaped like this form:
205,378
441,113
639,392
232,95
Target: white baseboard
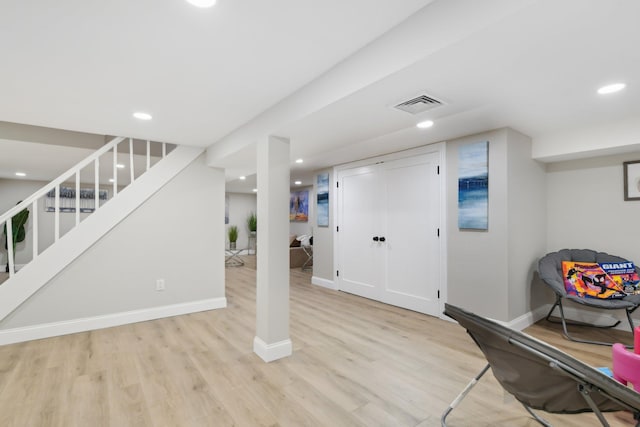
528,319
271,352
324,283
54,329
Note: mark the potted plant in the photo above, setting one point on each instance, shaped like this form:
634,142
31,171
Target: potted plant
18,231
252,223
233,236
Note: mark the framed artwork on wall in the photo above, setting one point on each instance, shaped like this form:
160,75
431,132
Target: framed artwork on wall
473,186
632,180
299,206
323,200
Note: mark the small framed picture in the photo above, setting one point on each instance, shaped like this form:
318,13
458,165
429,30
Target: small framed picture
632,180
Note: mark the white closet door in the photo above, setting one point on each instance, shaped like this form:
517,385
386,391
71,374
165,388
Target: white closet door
411,246
388,245
359,209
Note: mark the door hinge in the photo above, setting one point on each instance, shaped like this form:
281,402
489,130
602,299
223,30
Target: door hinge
438,232
337,184
337,273
337,228
438,293
438,170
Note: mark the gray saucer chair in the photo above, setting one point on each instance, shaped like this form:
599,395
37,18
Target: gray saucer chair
540,376
550,271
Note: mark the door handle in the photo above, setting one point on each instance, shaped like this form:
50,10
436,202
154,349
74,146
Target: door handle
375,238
382,239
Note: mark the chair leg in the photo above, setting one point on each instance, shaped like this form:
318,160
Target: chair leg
462,395
564,323
537,417
586,395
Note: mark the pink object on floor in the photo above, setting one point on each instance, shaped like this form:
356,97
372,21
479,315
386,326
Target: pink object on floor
636,340
626,365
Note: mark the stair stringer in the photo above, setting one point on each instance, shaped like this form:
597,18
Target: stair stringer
33,276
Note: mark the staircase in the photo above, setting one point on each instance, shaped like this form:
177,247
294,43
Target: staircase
149,167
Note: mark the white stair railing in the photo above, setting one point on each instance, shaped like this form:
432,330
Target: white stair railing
73,177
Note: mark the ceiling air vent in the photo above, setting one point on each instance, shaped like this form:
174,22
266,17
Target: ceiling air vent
419,104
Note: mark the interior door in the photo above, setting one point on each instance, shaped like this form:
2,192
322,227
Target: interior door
412,276
388,244
359,209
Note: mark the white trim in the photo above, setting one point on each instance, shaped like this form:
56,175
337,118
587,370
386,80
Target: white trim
528,319
54,329
271,352
329,284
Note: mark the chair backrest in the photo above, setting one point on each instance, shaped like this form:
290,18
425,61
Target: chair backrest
539,375
550,265
626,366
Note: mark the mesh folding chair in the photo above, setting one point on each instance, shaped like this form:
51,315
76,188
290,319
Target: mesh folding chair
540,376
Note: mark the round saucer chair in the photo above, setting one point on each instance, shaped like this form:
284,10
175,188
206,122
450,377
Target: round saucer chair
550,271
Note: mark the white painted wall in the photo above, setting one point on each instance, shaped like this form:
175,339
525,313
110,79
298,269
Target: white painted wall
477,260
240,205
323,236
158,240
491,272
586,207
527,202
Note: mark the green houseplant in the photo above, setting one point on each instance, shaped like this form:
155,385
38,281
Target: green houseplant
18,231
233,236
252,222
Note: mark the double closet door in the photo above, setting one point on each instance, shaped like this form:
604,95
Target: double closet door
388,232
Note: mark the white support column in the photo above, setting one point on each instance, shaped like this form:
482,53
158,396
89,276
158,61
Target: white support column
272,296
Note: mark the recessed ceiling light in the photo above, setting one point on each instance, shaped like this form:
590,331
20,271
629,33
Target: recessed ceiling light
299,161
142,116
21,174
243,177
202,3
424,125
120,166
110,179
255,190
611,88
298,182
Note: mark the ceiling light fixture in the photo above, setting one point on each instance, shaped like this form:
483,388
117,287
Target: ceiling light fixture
142,116
242,178
255,190
202,3
299,161
110,179
424,125
21,174
120,166
616,87
298,182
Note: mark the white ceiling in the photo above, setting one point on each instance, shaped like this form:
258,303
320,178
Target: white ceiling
207,75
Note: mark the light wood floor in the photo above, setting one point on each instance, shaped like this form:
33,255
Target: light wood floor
355,363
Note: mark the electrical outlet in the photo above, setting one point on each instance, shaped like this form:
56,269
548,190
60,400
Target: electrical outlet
160,285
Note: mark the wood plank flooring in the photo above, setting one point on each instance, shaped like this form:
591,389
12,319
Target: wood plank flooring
356,362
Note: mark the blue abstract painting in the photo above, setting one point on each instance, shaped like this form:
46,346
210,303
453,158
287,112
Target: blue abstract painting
473,186
323,200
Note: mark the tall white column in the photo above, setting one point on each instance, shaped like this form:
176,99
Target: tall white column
272,298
